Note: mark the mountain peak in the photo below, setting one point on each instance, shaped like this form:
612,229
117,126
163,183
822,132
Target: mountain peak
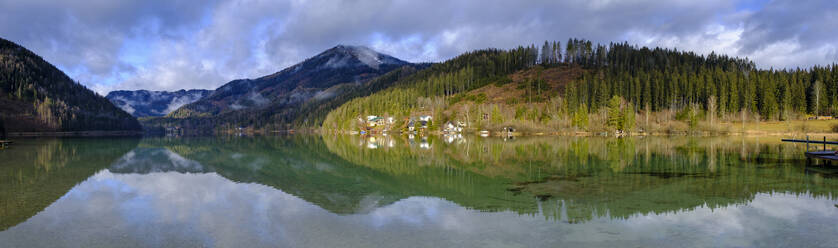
349,56
294,85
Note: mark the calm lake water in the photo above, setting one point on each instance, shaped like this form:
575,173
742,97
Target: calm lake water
349,191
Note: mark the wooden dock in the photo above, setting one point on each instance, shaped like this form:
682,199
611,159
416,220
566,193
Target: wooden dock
824,155
827,156
5,144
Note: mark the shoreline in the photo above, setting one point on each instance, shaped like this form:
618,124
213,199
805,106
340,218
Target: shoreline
746,133
74,134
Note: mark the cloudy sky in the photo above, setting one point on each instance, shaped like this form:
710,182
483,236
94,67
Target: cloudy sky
175,44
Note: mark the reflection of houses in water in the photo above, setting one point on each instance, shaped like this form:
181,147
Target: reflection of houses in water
451,138
424,144
371,143
375,142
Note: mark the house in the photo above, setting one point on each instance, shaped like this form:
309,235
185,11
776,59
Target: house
509,130
411,125
174,131
453,127
424,120
373,121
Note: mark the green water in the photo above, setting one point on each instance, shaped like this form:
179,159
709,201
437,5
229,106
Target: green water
350,191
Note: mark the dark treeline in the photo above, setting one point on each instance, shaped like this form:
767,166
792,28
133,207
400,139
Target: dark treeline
36,96
670,79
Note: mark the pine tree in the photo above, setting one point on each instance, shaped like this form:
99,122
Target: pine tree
615,113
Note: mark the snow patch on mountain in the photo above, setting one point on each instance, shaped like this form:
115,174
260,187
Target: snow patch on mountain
346,56
179,101
124,104
366,56
253,99
258,99
337,62
143,103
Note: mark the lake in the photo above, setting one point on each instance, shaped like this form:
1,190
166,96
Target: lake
392,191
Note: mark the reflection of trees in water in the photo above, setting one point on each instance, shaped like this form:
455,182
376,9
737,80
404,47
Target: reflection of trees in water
37,172
587,177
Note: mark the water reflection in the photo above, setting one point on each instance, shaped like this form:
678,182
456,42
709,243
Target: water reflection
353,191
578,179
34,173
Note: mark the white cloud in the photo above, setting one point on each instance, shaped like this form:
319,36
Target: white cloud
169,45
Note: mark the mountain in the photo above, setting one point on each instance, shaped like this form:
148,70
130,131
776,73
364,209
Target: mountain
144,103
37,96
295,84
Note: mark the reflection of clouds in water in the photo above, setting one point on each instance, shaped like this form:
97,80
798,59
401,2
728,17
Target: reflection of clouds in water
429,212
787,207
414,211
174,209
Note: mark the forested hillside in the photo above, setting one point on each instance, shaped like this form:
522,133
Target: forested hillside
596,87
36,96
427,90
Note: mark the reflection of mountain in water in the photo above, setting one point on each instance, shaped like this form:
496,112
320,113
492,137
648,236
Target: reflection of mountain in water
37,172
298,165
